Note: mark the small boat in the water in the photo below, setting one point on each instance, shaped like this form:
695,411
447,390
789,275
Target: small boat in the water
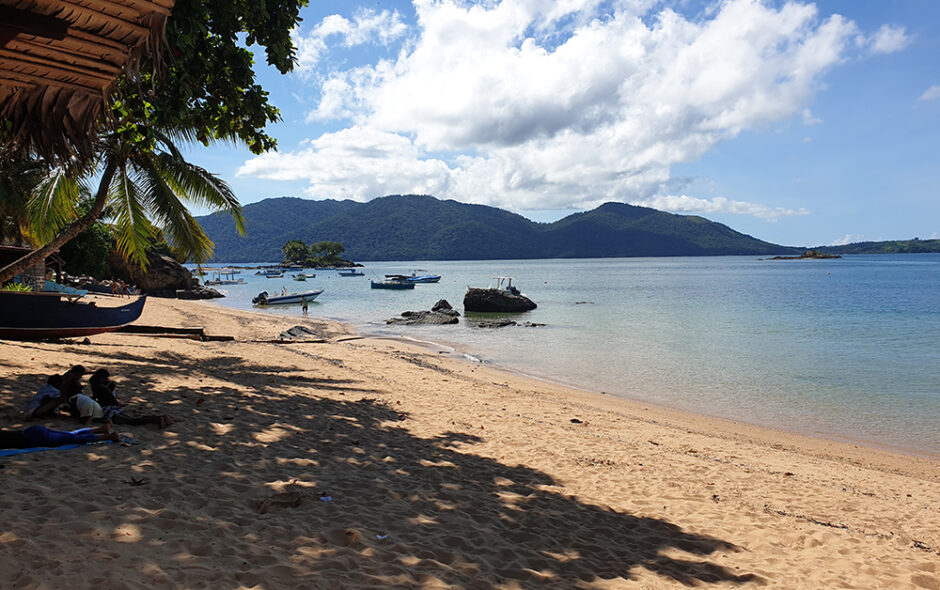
285,298
414,277
350,272
503,298
224,276
391,285
34,316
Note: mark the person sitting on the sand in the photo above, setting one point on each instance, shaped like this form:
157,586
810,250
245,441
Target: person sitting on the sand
88,409
72,381
102,388
40,436
47,399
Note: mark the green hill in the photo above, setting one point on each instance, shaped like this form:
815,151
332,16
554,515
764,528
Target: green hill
915,246
415,227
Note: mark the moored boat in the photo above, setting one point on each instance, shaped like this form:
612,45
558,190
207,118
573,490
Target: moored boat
224,276
263,298
391,285
34,316
414,277
350,272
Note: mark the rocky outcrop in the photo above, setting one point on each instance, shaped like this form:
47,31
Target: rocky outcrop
441,314
497,300
197,292
164,277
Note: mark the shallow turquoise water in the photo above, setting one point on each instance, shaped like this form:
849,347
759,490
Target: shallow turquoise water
845,348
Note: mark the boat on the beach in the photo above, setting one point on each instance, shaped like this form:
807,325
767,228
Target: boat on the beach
263,298
504,297
34,316
391,285
350,272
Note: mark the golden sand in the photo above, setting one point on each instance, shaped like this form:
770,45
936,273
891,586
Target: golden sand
343,462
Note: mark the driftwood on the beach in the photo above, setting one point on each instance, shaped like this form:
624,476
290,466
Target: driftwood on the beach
193,333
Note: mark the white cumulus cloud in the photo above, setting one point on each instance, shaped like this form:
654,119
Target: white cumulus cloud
932,93
366,26
889,39
687,204
542,104
849,239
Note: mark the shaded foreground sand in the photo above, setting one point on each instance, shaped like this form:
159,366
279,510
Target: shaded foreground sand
357,463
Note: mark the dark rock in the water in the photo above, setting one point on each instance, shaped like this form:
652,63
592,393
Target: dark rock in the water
163,277
441,314
197,292
492,323
498,300
443,306
424,318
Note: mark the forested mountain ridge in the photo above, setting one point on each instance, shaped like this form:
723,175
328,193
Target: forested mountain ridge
419,227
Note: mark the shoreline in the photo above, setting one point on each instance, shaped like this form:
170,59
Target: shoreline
463,355
828,445
358,462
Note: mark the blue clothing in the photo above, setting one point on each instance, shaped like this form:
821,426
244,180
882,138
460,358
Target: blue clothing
40,436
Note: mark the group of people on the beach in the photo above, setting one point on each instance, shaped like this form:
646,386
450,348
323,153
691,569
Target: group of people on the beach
66,391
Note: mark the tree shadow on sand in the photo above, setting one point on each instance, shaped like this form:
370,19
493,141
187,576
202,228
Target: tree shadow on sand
319,492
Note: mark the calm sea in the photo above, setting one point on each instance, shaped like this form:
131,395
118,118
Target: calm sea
847,349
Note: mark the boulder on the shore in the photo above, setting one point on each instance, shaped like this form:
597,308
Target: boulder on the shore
197,292
443,306
441,314
164,277
496,300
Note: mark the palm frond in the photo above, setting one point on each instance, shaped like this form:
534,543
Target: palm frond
199,186
133,230
182,230
52,204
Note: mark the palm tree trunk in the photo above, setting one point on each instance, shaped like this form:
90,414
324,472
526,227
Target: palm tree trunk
70,231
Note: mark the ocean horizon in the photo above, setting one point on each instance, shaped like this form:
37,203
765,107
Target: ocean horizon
846,349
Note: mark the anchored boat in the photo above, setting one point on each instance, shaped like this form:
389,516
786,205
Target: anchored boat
264,298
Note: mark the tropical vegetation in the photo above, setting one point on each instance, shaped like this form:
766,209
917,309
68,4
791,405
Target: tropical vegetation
416,227
201,87
317,254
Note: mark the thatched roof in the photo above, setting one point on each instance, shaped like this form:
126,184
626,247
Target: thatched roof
58,62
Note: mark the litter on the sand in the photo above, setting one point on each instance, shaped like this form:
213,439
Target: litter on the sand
381,537
326,498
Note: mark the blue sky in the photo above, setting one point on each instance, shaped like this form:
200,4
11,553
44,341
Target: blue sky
798,123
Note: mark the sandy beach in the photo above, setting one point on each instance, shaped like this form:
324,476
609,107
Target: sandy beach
345,462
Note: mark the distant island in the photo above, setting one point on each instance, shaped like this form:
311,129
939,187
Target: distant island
421,227
807,255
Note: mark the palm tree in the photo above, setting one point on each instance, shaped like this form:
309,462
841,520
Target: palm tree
145,189
20,181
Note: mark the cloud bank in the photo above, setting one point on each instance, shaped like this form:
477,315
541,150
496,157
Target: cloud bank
539,104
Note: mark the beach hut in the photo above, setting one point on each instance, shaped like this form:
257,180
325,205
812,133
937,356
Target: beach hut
59,62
